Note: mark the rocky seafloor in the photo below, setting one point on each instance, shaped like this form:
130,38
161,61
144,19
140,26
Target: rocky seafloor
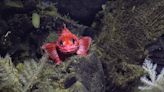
124,33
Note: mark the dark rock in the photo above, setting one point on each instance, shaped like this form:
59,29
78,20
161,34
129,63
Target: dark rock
69,82
28,6
80,10
89,71
156,52
22,39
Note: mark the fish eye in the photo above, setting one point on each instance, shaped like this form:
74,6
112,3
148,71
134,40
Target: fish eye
61,43
73,40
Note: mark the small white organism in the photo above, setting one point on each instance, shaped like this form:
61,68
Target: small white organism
152,82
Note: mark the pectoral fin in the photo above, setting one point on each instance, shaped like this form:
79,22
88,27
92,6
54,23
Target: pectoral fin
84,44
50,49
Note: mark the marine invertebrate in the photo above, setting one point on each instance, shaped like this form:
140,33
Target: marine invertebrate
19,79
36,20
8,75
152,82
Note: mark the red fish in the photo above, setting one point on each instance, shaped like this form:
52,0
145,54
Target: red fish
67,43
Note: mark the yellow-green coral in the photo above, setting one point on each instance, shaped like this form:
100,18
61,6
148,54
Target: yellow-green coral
125,73
21,81
36,20
9,77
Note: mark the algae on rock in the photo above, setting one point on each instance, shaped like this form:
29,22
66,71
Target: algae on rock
126,27
125,73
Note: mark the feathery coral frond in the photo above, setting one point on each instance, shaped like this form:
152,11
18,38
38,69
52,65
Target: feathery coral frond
31,72
32,76
8,75
156,82
14,81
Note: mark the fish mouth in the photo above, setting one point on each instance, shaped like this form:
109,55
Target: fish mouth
69,49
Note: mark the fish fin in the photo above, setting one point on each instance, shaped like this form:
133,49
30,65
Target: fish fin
50,49
84,44
48,46
55,57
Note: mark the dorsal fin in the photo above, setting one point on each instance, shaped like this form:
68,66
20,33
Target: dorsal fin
65,30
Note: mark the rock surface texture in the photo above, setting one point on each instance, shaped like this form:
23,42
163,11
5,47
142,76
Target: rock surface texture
80,10
126,27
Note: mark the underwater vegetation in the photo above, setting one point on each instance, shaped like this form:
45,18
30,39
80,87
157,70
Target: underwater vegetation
20,78
46,77
125,28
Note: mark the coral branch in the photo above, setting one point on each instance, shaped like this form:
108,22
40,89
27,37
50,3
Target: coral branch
156,82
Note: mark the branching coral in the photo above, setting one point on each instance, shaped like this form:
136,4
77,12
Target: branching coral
32,76
155,82
8,75
31,72
12,80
